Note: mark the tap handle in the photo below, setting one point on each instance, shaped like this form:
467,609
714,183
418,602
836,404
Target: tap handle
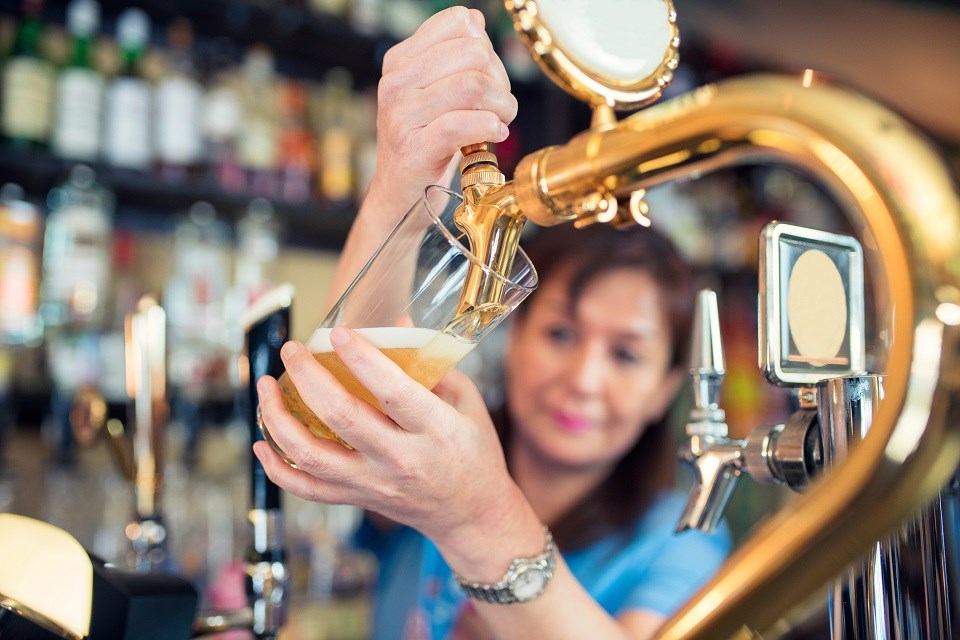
707,364
145,356
716,471
266,328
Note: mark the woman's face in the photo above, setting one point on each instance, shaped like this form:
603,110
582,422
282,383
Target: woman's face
585,382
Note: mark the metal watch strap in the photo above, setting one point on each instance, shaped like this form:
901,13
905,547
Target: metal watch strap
501,593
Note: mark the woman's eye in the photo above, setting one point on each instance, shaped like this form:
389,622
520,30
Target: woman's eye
560,335
626,356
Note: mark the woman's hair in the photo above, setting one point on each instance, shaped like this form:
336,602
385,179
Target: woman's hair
649,466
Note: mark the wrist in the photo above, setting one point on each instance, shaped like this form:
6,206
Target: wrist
483,548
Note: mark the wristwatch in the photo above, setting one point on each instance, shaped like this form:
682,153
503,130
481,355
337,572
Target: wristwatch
525,580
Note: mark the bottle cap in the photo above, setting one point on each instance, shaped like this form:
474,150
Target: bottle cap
133,29
83,18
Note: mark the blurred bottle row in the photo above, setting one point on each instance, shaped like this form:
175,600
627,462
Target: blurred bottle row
243,127
68,280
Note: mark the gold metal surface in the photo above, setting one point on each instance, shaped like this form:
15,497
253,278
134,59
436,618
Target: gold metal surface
904,207
589,85
492,223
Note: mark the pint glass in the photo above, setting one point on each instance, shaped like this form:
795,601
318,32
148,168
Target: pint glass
407,302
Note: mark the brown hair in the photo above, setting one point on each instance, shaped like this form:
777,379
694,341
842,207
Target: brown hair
649,466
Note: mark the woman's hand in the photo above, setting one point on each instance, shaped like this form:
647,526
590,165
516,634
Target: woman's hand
429,460
442,88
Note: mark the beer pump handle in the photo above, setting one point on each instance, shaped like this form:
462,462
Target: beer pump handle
266,328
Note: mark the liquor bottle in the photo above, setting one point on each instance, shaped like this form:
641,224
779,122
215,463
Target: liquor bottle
28,84
336,144
20,229
221,116
80,88
194,297
177,99
402,17
126,141
366,16
337,8
197,365
76,253
258,141
297,145
74,294
365,131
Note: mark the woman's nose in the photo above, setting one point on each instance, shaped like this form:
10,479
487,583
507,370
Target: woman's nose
588,370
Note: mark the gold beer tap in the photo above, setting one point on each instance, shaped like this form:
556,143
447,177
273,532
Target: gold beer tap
492,222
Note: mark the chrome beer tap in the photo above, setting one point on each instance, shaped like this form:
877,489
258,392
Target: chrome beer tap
788,453
715,459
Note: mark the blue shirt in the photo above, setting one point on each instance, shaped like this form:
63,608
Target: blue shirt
649,567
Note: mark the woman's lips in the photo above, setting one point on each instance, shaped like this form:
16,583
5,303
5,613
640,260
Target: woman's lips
571,421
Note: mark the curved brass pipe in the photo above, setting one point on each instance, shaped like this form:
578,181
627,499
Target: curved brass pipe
905,209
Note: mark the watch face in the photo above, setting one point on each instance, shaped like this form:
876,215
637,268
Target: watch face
529,583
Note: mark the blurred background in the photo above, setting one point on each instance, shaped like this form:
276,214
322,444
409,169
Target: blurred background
204,151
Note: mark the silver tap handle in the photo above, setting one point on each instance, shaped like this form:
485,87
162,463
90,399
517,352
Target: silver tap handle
706,353
707,364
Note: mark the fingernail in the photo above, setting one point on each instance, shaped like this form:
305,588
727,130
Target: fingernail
339,336
261,385
504,132
289,349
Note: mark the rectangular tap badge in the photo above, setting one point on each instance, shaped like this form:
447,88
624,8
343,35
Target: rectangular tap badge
811,306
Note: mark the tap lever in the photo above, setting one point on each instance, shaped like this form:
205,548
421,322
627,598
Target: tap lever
707,365
717,463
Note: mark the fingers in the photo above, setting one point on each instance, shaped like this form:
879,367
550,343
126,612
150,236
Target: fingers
450,57
354,420
411,405
456,129
467,90
299,482
454,22
430,82
316,456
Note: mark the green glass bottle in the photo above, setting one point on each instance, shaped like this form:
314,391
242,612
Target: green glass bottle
28,83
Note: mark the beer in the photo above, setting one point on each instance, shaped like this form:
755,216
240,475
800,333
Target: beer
425,355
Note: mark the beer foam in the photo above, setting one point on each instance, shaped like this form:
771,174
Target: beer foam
398,338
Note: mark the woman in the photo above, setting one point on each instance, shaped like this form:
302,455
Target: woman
581,446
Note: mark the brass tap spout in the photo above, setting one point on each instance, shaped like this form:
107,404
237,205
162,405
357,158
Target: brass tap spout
492,222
